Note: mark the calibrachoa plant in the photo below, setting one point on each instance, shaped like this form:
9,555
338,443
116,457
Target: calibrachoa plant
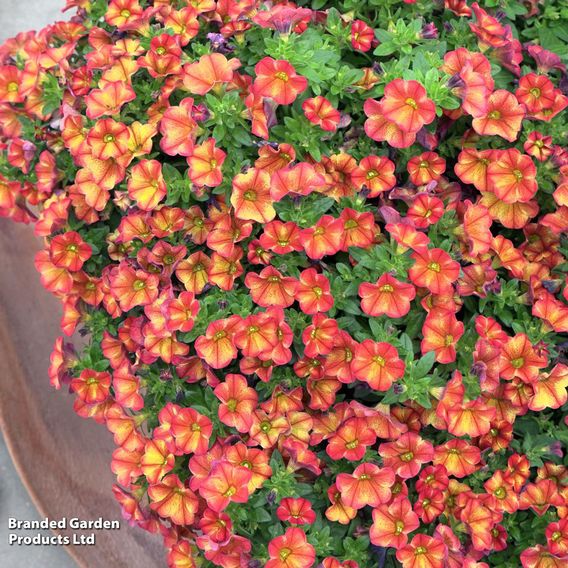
319,254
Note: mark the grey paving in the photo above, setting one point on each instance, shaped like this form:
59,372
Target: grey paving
17,16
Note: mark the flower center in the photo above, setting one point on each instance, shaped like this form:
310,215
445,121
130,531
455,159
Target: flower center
372,174
494,115
435,266
284,553
139,284
379,360
407,457
411,103
282,76
518,362
398,527
108,138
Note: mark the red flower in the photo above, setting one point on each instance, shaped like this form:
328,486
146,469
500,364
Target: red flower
362,35
278,80
296,511
368,485
313,292
238,401
69,251
387,296
407,454
512,176
434,269
378,364
503,117
321,112
441,332
405,103
270,288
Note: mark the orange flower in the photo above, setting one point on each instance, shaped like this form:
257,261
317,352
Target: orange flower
278,80
296,511
238,401
108,139
109,99
313,292
434,269
192,272
68,250
368,485
205,164
536,92
503,118
146,185
321,112
291,550
407,454
378,364
270,288
379,128
132,288
406,104
362,36
324,238
387,296
182,312
476,224
338,511
225,484
92,387
425,168
351,440
172,500
318,338
376,173
156,461
512,176
550,389
425,210
458,457
216,346
505,497
210,72
191,431
441,332
10,84
521,359
422,552
392,523
251,196
300,179
178,129
472,167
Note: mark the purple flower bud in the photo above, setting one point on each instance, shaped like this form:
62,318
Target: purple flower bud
165,375
271,497
398,388
455,81
429,31
200,113
556,449
448,27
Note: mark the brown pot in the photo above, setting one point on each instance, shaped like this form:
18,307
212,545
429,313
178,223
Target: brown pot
63,460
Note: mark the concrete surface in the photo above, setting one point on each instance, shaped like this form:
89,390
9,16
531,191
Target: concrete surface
24,15
17,16
15,503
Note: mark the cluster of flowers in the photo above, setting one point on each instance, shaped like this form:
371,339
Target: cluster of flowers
321,263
